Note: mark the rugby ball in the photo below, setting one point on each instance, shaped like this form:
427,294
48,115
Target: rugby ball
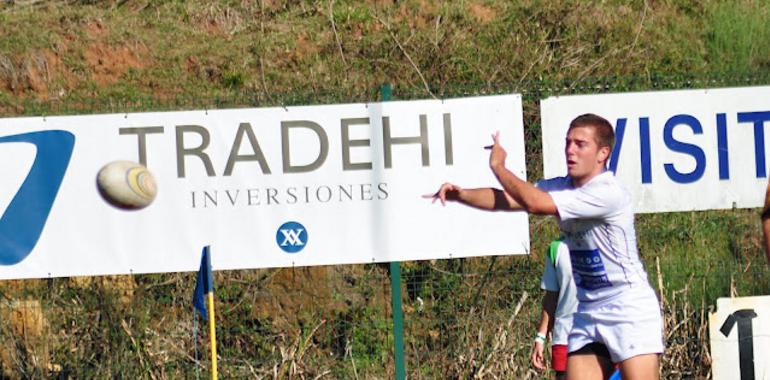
126,185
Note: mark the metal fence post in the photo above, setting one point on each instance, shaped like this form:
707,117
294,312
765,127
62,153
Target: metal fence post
395,293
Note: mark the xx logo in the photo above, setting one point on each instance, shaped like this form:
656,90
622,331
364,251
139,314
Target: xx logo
23,220
291,237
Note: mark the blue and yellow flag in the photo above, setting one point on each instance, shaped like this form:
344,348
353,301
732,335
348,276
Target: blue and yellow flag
204,285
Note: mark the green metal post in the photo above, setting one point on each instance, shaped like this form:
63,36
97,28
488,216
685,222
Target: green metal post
398,319
395,294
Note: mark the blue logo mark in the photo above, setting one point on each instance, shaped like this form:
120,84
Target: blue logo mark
291,237
22,222
588,269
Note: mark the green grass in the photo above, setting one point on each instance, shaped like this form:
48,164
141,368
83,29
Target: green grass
712,252
738,35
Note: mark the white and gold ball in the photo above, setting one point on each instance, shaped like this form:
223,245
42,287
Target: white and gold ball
126,184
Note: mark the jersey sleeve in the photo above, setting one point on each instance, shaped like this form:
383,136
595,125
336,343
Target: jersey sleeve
588,202
550,279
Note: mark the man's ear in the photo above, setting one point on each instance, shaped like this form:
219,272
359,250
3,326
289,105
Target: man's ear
604,154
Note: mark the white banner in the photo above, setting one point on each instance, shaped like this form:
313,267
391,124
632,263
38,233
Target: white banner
675,150
270,187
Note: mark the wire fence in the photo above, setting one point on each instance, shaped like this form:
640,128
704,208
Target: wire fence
463,318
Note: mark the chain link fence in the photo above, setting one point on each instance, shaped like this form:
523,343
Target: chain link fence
463,318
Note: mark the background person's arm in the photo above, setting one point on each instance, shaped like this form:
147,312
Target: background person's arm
766,222
766,233
546,325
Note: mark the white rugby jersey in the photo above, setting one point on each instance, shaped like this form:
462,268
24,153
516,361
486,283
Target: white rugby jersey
597,222
557,277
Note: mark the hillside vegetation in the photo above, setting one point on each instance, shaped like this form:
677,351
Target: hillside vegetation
57,50
469,318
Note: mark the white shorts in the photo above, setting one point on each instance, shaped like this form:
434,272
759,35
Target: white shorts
628,326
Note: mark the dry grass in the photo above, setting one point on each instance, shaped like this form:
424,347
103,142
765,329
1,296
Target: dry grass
685,332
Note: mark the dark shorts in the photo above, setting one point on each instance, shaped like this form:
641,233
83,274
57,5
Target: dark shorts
594,348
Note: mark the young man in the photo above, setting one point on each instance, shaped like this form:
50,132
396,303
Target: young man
618,318
559,303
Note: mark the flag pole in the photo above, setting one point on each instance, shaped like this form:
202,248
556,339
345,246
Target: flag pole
204,294
213,336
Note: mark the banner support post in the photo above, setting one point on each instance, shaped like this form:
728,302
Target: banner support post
395,293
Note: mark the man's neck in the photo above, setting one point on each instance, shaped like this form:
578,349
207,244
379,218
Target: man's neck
578,182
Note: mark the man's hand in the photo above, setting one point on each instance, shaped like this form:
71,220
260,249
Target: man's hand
537,356
447,191
498,154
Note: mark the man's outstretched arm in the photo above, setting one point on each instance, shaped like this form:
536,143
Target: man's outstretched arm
525,194
483,198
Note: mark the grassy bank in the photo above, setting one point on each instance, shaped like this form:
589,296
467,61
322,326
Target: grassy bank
93,49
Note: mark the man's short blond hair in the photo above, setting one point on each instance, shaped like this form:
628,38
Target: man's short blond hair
603,132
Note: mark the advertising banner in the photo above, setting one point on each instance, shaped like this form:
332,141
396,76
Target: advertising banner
264,187
675,150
